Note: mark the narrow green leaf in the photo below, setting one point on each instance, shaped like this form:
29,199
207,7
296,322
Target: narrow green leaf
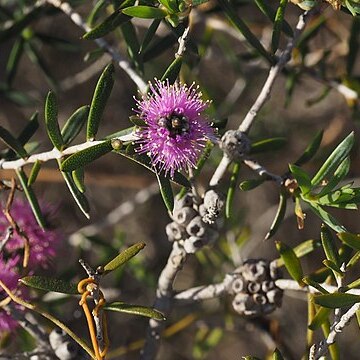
321,316
135,310
120,133
95,12
243,28
99,100
34,172
123,257
251,184
277,355
353,285
302,249
13,60
166,192
51,121
173,71
149,35
352,240
79,197
302,178
159,47
132,42
30,195
145,12
50,284
12,143
311,149
29,129
279,217
308,281
74,124
291,261
278,25
332,266
327,218
338,176
231,190
78,176
337,300
86,156
354,259
265,145
329,246
334,160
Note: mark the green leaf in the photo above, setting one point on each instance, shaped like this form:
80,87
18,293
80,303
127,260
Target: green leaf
135,310
291,262
133,47
121,133
166,192
78,176
13,60
308,281
231,190
86,156
311,149
50,284
173,71
74,124
95,12
79,197
145,12
12,143
159,47
329,246
332,266
279,217
34,172
265,145
149,35
302,178
116,19
337,300
278,24
30,195
143,160
123,257
245,31
251,184
327,218
302,249
320,317
29,129
277,355
352,240
51,121
99,100
334,160
338,176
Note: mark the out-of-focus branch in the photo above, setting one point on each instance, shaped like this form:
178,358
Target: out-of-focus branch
120,60
274,72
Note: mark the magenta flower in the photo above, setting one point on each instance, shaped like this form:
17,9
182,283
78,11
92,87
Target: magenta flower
43,243
10,278
175,132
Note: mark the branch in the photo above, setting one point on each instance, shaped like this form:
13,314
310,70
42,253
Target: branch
55,154
261,171
273,73
121,61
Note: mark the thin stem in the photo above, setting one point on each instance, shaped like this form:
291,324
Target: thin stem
121,61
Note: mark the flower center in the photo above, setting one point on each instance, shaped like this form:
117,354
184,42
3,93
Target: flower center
177,124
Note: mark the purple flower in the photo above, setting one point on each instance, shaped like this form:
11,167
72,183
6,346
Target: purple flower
175,132
10,278
42,242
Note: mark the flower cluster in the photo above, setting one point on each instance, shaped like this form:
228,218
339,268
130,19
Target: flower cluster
42,244
175,130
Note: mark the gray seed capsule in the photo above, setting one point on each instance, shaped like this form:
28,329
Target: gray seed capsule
184,215
174,231
196,227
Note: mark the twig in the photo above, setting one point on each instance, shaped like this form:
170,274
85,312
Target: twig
122,62
56,154
182,42
323,347
273,73
220,170
255,166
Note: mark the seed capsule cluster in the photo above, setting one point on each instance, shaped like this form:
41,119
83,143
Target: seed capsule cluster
254,289
235,144
64,347
194,221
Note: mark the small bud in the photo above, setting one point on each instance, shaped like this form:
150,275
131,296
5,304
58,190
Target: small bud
235,144
174,231
67,351
193,244
196,227
184,215
116,144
